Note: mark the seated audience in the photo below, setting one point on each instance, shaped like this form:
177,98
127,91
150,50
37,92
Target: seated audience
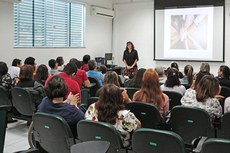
93,73
53,66
5,79
54,103
203,96
136,81
103,69
31,61
198,77
150,92
42,74
60,62
85,66
188,75
111,77
175,65
161,74
173,83
205,67
110,108
223,76
81,76
14,70
26,81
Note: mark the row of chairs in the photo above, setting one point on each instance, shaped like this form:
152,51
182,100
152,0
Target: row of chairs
50,130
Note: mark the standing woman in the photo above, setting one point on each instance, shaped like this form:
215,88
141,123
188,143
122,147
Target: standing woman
130,58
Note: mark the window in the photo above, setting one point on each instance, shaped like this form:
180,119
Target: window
49,23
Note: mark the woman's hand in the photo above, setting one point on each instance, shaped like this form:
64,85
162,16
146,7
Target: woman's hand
126,98
73,99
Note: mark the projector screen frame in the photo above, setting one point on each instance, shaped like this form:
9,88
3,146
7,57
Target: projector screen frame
221,59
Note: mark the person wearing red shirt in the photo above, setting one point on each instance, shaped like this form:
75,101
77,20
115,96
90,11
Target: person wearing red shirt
69,72
85,67
81,77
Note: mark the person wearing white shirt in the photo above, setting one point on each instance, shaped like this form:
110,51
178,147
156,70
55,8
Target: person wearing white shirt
14,70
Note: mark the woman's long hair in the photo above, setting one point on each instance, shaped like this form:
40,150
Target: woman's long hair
188,70
172,78
109,103
129,42
150,89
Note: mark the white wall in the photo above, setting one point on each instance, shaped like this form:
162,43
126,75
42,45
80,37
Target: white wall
134,22
98,37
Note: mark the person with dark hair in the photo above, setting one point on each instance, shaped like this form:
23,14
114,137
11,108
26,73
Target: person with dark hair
175,65
69,72
85,66
81,76
5,79
136,81
224,76
14,70
204,96
54,103
150,92
94,73
173,83
42,74
110,108
103,69
53,65
27,81
60,62
111,77
130,58
188,75
198,77
31,61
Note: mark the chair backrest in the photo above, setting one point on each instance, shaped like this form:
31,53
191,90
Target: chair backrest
216,145
23,101
84,96
3,123
52,133
95,130
4,96
156,141
225,126
131,91
93,89
174,98
148,114
191,123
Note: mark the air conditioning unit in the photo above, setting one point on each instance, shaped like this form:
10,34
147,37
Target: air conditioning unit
12,1
103,12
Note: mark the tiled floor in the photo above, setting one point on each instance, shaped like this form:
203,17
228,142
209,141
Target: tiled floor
16,137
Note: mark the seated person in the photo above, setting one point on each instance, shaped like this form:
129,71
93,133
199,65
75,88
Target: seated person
85,60
175,65
81,76
136,81
110,108
224,76
93,73
42,74
60,62
5,79
188,75
204,96
14,70
54,103
26,81
150,92
173,83
53,65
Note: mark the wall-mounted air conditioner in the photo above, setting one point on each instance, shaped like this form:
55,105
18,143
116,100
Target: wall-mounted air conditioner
102,12
11,1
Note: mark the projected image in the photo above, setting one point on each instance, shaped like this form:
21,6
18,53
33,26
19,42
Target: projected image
189,31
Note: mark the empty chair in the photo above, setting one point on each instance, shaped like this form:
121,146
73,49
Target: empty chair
3,123
156,141
225,126
131,91
52,133
23,101
174,98
191,123
148,114
95,86
216,145
95,130
4,96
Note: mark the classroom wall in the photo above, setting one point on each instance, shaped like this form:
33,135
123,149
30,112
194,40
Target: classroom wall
98,37
134,22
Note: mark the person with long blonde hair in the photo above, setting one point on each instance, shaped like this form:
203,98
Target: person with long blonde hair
150,92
